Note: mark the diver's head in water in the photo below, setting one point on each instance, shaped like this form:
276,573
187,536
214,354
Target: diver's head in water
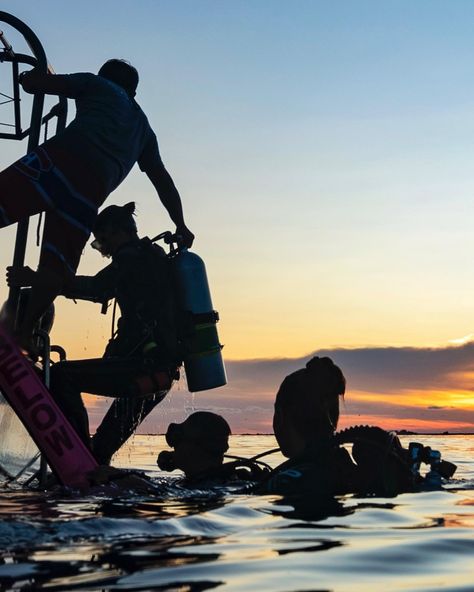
307,406
122,73
114,227
199,444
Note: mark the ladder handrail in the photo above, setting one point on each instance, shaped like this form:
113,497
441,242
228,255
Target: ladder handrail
39,61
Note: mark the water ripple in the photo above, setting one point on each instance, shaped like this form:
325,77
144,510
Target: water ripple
198,541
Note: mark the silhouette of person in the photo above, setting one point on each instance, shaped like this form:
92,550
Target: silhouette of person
142,358
304,422
199,445
71,174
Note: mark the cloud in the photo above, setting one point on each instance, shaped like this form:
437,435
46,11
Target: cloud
372,369
390,369
390,385
462,340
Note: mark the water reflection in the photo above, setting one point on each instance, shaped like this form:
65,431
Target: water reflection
310,508
161,509
198,541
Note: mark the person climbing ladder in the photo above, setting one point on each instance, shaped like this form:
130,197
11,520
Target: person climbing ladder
71,175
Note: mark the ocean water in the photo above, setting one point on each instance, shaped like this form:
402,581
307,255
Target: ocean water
182,541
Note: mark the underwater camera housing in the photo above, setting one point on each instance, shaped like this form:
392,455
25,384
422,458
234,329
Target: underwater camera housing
425,454
174,434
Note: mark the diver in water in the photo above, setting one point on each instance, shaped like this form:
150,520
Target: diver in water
305,421
199,444
319,465
141,360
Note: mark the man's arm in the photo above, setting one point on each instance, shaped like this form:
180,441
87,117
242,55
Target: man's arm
34,81
96,288
170,198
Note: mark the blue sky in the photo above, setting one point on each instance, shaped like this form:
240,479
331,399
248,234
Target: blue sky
323,152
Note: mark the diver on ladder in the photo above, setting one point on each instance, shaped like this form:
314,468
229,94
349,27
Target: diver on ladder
141,360
71,175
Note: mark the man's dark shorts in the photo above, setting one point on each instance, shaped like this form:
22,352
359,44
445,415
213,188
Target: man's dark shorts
53,181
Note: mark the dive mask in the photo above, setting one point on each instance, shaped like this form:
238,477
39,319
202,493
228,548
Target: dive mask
97,245
166,459
174,434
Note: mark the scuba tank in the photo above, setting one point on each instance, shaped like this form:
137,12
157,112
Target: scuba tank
202,357
201,349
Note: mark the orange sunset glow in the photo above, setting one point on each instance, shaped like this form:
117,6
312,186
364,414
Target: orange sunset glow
331,199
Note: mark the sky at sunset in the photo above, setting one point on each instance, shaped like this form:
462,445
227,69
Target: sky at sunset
323,152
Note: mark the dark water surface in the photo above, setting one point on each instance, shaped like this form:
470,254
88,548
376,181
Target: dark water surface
422,542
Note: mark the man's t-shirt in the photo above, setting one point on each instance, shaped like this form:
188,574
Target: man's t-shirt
110,132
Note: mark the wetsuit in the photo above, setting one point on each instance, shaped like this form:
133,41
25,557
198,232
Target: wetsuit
71,175
379,465
323,469
143,350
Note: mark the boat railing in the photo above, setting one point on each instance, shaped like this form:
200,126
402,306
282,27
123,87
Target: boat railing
37,59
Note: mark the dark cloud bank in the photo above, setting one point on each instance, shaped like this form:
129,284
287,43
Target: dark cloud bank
247,400
375,369
383,371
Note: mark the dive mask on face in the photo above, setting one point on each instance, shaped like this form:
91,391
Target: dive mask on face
166,458
97,245
174,434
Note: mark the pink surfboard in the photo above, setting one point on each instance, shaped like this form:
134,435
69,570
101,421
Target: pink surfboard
65,452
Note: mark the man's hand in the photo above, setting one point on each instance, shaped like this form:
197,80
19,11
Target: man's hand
120,480
20,277
103,474
186,237
35,81
29,79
